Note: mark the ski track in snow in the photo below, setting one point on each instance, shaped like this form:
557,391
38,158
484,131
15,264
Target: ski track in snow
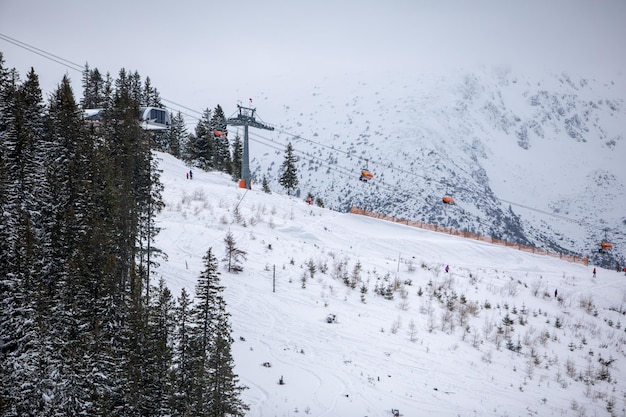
357,366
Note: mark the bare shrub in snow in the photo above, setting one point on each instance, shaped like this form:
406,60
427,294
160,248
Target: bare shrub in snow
586,303
410,266
570,368
475,337
432,321
395,326
462,314
535,288
412,331
446,320
512,288
238,216
530,367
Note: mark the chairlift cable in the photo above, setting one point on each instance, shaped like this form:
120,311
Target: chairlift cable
79,68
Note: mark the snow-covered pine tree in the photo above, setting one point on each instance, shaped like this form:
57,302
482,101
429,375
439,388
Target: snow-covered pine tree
224,386
200,148
22,134
7,128
94,91
289,176
157,387
222,160
215,388
150,96
182,371
67,196
176,136
74,336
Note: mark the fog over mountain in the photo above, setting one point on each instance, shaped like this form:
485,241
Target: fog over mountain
530,158
516,109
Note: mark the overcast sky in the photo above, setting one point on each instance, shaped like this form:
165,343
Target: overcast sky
200,53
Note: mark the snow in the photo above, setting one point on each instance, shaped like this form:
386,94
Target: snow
423,133
365,363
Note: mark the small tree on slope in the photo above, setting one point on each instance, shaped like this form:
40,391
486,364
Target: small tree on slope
234,255
289,177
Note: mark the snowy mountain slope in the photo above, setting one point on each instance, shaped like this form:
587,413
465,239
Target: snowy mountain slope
491,137
418,340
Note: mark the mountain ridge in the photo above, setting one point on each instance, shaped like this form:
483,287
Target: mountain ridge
528,159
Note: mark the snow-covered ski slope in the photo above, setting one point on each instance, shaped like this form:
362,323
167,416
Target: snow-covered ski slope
438,348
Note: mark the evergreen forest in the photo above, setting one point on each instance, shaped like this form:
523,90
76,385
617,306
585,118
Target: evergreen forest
83,328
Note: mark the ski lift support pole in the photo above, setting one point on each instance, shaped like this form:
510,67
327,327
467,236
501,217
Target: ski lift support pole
246,118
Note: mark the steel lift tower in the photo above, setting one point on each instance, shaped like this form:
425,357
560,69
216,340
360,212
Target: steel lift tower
246,118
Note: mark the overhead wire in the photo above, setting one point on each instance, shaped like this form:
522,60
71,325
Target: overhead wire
385,185
430,179
394,188
343,170
41,52
79,68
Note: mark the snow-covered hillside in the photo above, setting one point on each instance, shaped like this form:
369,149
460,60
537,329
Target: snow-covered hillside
530,158
488,338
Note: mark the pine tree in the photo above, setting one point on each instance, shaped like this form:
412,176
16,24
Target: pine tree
21,142
200,148
175,136
356,275
201,334
182,370
289,176
265,185
217,390
224,387
77,336
222,159
150,95
8,155
67,199
237,157
136,88
233,255
94,89
7,94
156,387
